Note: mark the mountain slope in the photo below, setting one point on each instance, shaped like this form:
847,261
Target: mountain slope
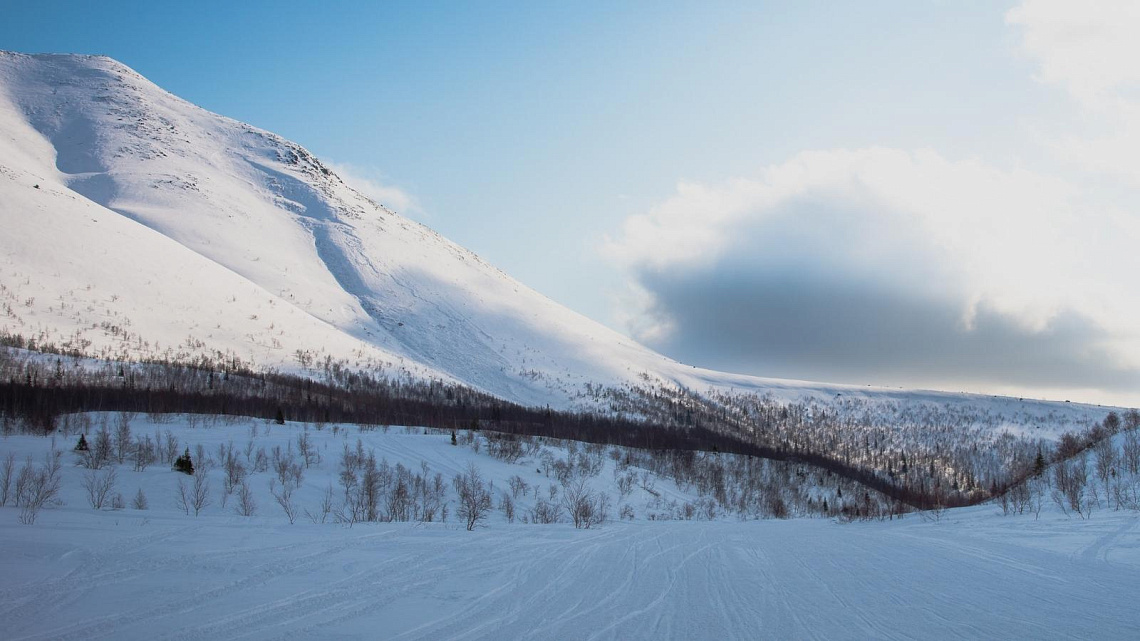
136,218
268,212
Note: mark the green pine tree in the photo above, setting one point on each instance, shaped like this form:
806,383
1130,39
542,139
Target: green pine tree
184,463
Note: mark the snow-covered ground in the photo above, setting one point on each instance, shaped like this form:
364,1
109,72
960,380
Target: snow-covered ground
78,573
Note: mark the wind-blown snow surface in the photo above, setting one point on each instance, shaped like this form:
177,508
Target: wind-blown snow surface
136,223
82,574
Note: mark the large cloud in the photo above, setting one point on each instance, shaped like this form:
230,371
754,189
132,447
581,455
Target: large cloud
880,265
892,266
1089,49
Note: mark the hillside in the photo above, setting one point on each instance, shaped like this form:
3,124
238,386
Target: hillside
139,225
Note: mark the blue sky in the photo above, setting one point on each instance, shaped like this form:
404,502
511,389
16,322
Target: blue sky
569,143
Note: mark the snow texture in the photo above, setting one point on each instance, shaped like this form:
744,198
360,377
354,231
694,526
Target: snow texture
126,574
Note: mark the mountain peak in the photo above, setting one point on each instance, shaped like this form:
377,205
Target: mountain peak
140,225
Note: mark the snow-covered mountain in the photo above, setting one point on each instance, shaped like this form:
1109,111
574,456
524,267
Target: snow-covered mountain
137,223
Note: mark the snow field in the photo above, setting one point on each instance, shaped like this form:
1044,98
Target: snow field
79,573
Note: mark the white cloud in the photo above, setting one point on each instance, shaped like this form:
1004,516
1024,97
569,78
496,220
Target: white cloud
943,240
1090,49
1016,240
1007,274
373,184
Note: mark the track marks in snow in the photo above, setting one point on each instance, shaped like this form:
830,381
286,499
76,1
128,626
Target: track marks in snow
723,580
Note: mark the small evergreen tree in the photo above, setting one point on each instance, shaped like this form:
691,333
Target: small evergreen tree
453,440
184,463
81,446
1038,464
280,420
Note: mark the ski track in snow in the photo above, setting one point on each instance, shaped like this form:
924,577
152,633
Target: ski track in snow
793,579
84,574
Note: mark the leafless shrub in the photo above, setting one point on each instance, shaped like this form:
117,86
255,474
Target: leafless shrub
169,447
98,453
1070,483
145,453
544,513
123,436
246,505
37,487
1036,497
429,495
626,482
182,498
1106,460
585,508
506,447
195,496
6,478
649,483
234,473
518,485
289,471
563,471
399,500
324,509
1130,454
590,462
202,460
474,496
99,486
140,502
283,494
260,460
507,505
309,454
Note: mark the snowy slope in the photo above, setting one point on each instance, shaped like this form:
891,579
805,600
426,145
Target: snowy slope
79,573
265,210
127,209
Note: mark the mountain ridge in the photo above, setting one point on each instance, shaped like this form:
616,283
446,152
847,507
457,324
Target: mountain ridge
256,248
